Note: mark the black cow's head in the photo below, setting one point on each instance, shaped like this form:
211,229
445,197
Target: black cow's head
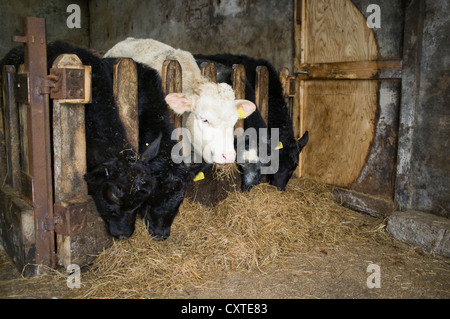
120,186
163,205
288,158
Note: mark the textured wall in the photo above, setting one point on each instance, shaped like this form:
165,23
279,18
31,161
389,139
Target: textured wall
12,13
423,172
258,28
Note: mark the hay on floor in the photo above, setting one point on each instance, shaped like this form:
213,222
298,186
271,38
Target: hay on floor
247,231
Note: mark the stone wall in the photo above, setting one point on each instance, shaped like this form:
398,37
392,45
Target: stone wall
54,11
423,173
258,28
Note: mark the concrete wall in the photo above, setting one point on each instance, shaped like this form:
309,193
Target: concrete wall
423,176
12,13
258,28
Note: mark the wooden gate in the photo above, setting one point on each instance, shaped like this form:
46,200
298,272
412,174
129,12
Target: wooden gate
353,134
46,215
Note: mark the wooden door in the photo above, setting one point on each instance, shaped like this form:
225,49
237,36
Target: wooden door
339,78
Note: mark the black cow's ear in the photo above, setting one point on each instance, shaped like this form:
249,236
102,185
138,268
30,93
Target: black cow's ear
301,143
101,170
194,169
153,149
112,193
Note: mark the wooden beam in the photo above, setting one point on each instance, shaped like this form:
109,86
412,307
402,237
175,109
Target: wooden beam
171,82
262,92
362,70
125,86
209,71
238,79
11,129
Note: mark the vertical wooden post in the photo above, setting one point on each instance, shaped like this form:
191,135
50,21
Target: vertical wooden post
11,129
69,149
171,82
284,75
262,92
238,79
209,71
39,139
126,97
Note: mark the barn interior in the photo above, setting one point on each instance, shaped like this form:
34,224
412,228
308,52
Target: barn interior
372,90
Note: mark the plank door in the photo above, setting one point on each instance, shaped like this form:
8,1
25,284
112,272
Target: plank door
339,79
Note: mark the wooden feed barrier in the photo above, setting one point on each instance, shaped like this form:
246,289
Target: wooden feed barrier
47,217
38,199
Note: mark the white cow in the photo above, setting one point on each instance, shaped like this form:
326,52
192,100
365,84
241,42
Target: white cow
211,108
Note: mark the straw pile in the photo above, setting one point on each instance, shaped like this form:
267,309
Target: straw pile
247,231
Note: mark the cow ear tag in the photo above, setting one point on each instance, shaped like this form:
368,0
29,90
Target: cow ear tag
279,147
199,177
241,113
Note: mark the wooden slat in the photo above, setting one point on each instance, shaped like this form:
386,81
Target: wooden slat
11,129
262,91
126,98
284,75
209,71
238,80
69,149
172,83
363,70
69,142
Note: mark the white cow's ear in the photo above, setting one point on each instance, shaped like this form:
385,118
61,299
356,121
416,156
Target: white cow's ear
179,102
248,107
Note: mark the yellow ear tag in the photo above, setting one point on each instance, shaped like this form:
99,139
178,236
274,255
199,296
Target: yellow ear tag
199,177
241,113
146,144
279,147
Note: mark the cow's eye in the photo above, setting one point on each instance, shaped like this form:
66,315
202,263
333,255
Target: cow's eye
205,121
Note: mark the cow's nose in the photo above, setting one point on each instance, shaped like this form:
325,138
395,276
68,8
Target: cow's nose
229,157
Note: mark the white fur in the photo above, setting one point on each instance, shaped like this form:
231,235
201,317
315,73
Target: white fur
201,100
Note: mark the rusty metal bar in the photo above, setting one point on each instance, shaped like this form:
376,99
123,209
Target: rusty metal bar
39,138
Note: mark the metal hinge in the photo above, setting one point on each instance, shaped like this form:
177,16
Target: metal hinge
70,84
68,220
61,84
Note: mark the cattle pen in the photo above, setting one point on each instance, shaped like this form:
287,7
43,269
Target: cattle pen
358,207
27,234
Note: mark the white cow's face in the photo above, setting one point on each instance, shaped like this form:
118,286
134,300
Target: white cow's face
214,112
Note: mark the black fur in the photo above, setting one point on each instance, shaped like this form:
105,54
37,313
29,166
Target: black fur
171,179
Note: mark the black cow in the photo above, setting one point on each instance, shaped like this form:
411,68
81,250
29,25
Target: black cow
278,112
119,179
171,179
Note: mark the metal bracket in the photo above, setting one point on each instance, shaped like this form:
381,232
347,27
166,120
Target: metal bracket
22,92
70,84
69,220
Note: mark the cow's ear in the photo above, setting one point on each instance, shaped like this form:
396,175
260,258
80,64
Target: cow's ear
100,172
194,169
247,107
153,149
179,102
113,194
301,143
